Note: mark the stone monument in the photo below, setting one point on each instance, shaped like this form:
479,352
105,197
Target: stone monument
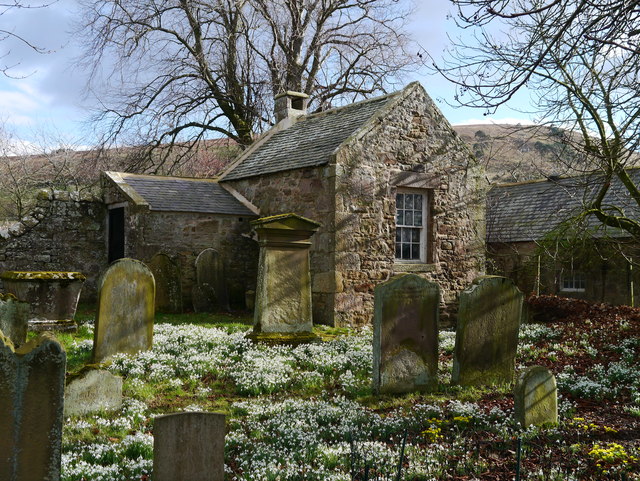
92,390
210,292
31,409
405,335
188,447
124,321
166,273
14,315
52,296
283,293
536,397
489,316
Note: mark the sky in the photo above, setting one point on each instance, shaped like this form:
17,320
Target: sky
44,102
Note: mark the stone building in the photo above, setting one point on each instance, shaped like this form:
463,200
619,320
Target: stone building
180,217
392,185
532,239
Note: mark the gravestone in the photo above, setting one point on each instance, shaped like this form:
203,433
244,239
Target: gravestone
536,397
188,447
31,409
14,316
405,336
489,316
210,291
124,321
283,293
92,390
166,272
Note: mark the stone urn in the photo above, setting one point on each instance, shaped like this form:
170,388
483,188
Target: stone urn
52,295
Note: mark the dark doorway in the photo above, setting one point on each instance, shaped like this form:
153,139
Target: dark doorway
116,234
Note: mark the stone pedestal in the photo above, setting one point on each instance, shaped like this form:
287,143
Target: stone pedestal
53,296
283,294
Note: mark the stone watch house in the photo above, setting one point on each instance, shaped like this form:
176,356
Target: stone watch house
391,184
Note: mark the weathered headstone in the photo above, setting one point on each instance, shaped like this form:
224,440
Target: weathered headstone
489,316
14,315
210,291
283,294
405,335
52,296
188,447
92,390
124,321
31,409
168,287
536,397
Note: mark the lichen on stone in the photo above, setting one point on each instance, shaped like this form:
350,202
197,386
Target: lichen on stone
42,275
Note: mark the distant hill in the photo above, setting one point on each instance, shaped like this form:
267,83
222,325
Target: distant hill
516,153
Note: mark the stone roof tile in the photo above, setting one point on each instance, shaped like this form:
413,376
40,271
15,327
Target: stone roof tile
529,211
310,141
176,194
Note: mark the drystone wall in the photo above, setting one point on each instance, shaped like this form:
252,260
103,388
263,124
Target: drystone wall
411,146
307,192
64,232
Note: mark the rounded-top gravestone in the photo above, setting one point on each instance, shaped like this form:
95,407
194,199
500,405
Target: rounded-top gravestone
126,299
489,316
210,291
405,335
536,397
166,273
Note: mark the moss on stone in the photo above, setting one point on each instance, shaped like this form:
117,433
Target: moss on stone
42,275
281,338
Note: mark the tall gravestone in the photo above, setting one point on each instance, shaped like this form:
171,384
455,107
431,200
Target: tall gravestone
31,409
283,293
405,336
210,292
536,397
124,321
14,316
489,316
188,447
166,273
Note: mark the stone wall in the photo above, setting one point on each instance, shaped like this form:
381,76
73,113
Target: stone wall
183,235
310,193
64,232
410,146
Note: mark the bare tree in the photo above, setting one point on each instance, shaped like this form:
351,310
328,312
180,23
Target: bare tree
580,61
8,33
184,70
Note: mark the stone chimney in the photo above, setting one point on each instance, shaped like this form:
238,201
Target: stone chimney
289,105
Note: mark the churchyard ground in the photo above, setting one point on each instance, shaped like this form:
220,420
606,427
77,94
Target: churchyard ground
308,412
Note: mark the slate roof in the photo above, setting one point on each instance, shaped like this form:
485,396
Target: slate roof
530,210
176,194
310,141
